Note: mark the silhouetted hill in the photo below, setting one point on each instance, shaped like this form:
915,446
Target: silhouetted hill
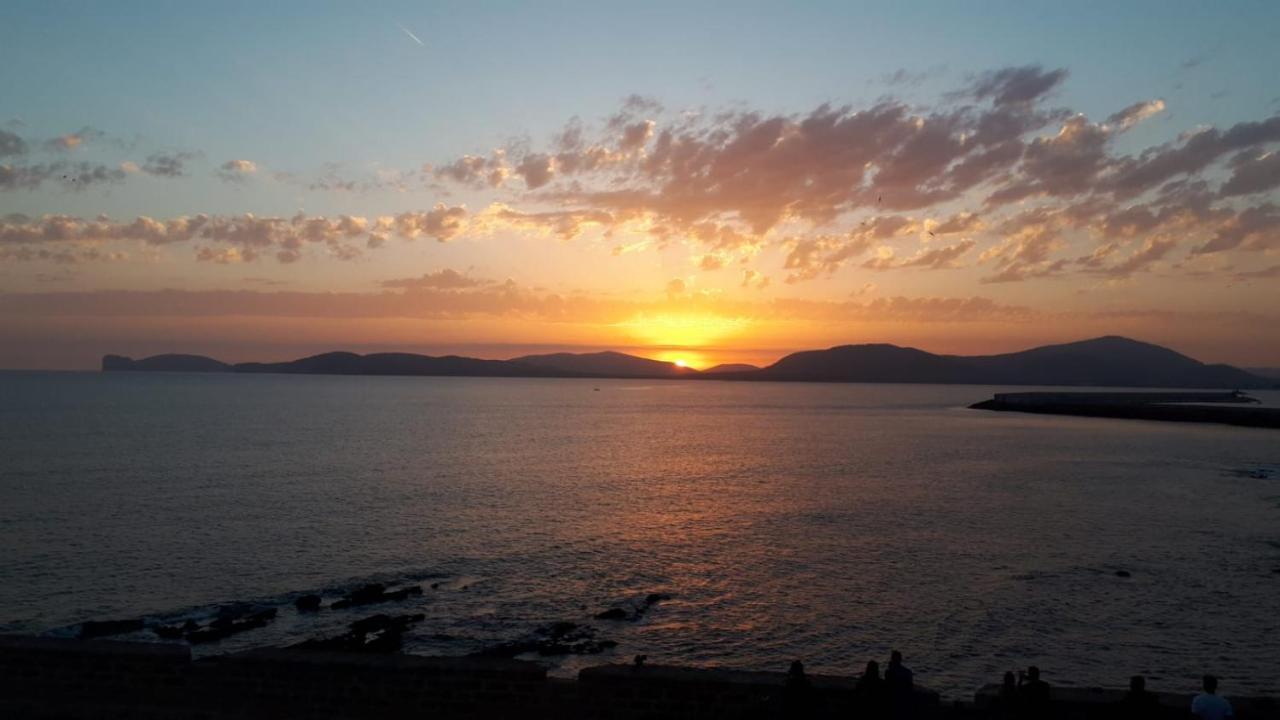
866,363
345,363
1104,361
730,368
1271,373
163,363
606,364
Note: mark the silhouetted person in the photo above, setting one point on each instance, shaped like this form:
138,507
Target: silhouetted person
797,693
1006,705
1138,704
869,692
1209,705
1033,695
900,682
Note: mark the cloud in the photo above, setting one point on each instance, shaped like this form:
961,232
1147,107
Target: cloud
1263,274
236,171
476,171
939,258
811,257
1256,228
1016,85
71,175
71,141
904,77
169,165
1153,250
565,224
1135,113
536,170
250,236
1253,173
445,279
754,279
11,144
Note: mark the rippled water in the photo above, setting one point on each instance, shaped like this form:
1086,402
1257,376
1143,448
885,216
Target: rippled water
824,522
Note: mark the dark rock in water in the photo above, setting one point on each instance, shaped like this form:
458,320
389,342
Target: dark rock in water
174,632
209,635
168,632
375,593
242,622
382,623
402,593
435,586
307,603
559,638
387,634
106,628
230,623
636,612
1122,573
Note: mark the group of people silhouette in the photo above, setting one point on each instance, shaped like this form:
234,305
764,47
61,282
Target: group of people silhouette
889,696
1024,696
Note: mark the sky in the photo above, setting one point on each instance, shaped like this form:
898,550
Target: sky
706,182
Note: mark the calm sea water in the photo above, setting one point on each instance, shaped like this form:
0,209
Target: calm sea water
823,522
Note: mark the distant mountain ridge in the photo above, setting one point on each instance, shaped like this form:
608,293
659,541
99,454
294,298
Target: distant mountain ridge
606,364
1110,361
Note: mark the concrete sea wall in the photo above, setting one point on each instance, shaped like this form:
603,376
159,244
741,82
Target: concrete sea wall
55,678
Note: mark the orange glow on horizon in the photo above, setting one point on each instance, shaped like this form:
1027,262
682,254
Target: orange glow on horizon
686,329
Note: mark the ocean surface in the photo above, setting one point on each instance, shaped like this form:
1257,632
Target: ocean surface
828,523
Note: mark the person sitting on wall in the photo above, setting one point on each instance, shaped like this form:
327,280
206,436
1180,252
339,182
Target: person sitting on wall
1033,695
797,693
869,692
1138,704
901,685
1209,705
1006,705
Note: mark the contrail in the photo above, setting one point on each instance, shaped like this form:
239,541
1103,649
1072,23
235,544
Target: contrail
411,35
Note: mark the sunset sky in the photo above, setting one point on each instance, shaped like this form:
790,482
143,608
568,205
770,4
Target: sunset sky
710,182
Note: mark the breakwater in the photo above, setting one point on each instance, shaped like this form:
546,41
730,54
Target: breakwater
48,677
1230,408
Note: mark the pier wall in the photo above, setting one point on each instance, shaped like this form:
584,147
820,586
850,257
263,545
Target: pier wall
54,678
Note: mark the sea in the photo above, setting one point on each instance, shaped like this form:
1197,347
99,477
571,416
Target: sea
830,523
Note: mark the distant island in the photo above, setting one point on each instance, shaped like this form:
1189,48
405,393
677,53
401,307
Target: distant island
1101,362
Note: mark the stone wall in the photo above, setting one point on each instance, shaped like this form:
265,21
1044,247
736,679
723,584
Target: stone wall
54,678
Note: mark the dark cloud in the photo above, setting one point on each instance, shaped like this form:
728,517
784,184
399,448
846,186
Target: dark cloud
71,175
11,144
166,164
446,279
1016,85
1253,173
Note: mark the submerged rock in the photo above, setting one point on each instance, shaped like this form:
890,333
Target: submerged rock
106,628
387,632
558,638
175,632
231,622
375,593
307,603
1123,573
637,610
